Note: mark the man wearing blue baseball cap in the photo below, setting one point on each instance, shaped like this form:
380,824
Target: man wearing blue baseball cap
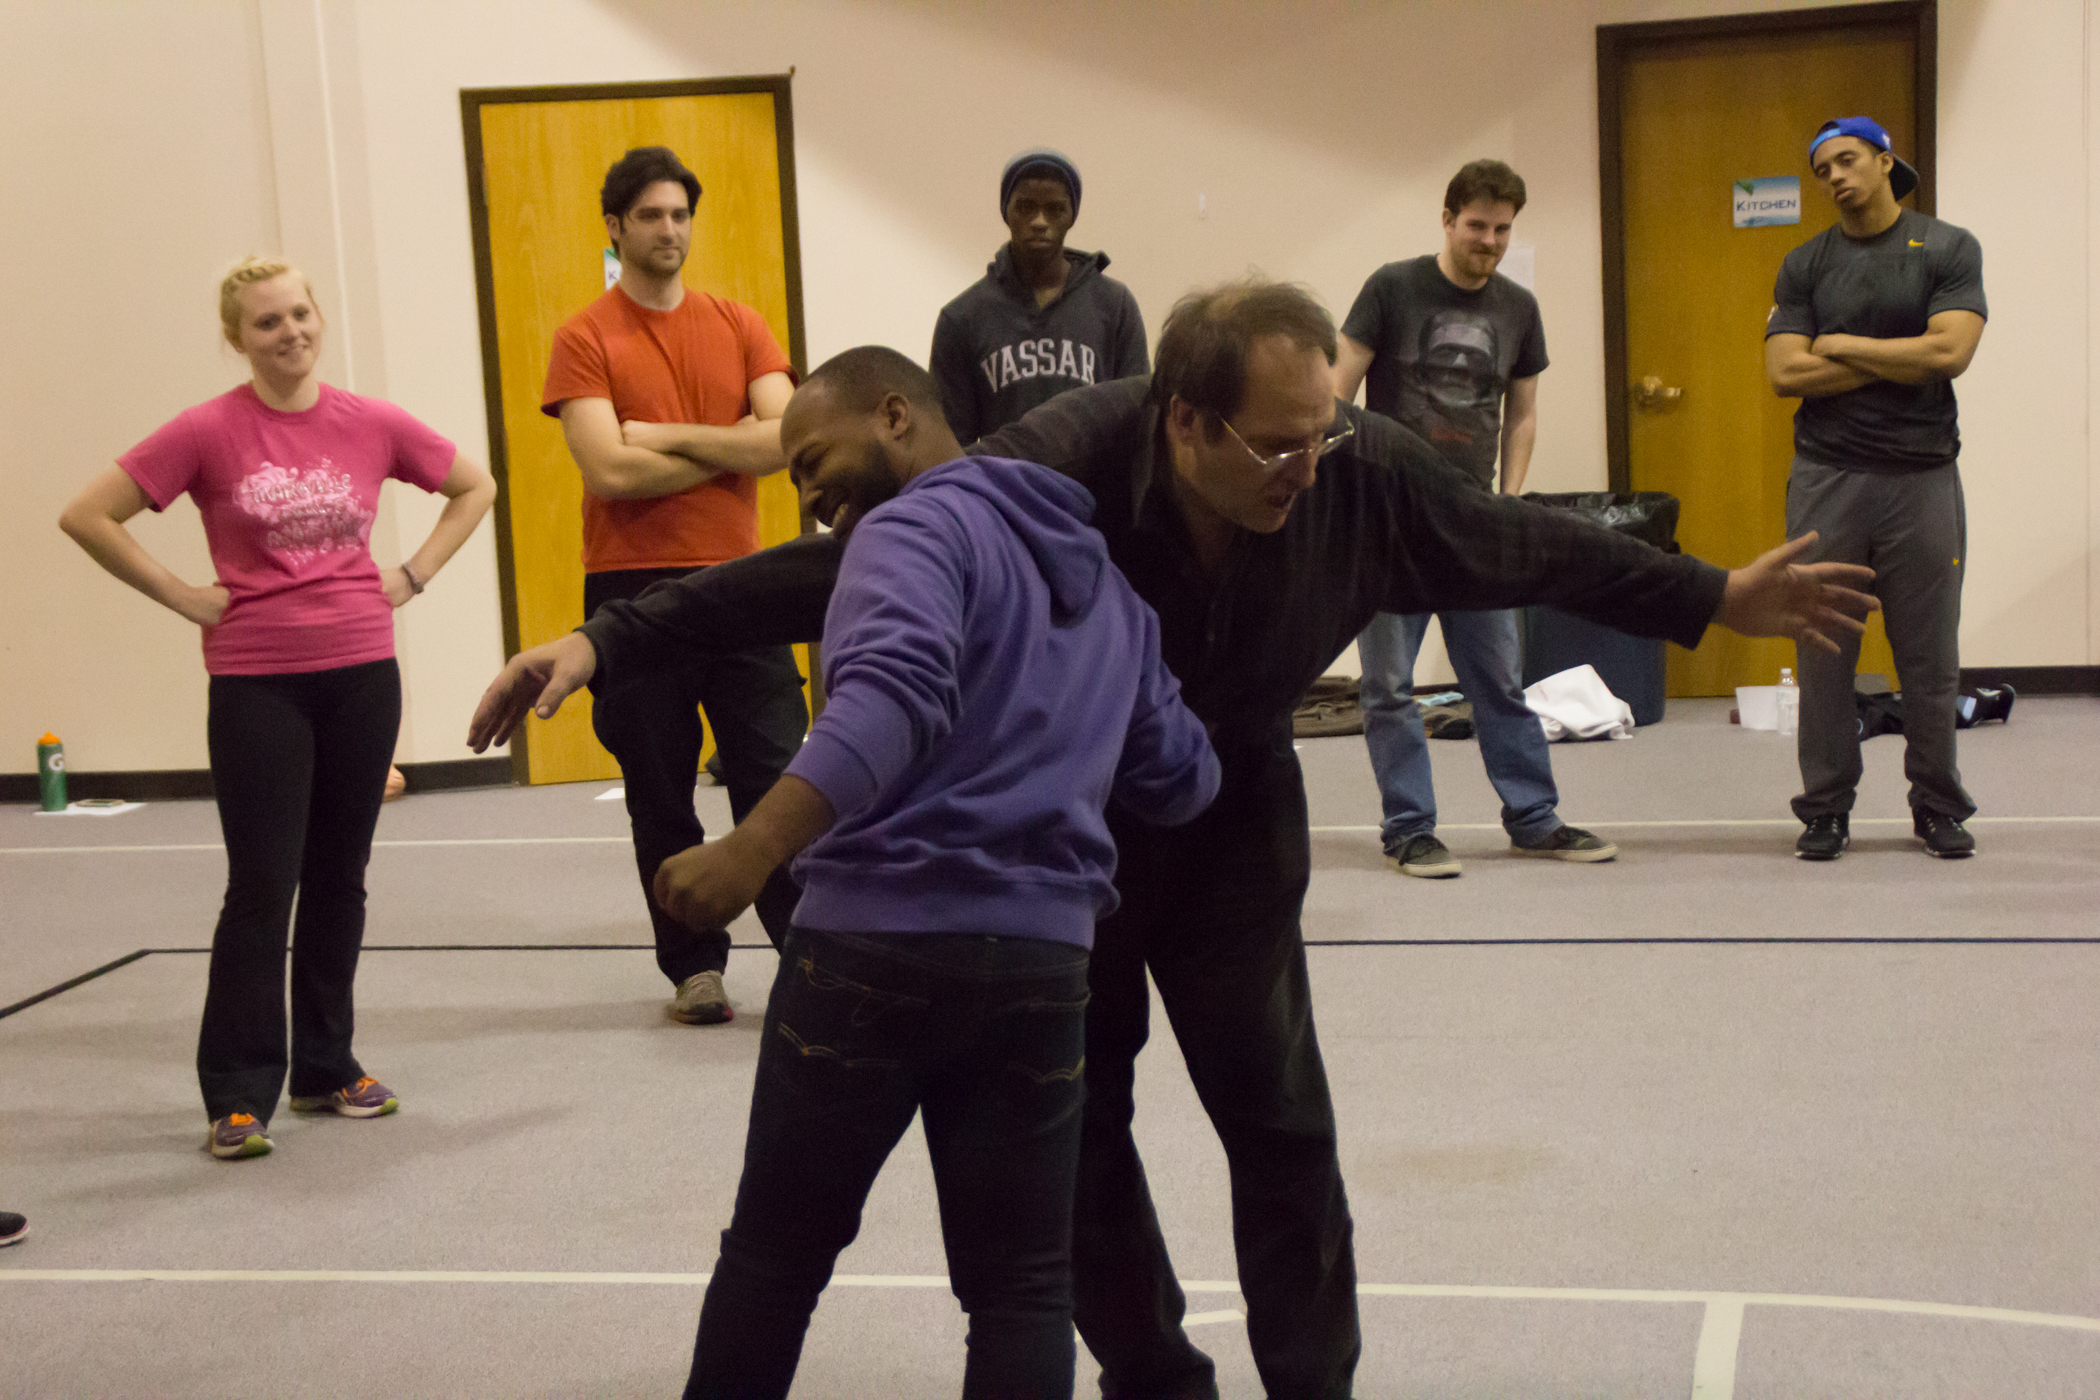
1043,319
1874,319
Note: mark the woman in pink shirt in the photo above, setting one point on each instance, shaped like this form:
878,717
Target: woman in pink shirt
305,695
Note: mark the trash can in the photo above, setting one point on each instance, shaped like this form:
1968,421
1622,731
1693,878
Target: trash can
1633,668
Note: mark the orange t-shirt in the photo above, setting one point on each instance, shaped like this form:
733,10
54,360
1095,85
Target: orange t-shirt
691,365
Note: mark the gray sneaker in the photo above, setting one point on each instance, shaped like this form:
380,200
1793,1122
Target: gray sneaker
1424,856
1570,843
235,1136
701,1001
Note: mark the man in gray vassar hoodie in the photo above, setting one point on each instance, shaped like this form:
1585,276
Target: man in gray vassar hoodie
1043,319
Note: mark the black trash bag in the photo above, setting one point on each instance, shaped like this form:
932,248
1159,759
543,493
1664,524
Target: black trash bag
1648,516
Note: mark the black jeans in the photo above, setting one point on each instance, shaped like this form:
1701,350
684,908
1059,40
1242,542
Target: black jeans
984,1036
1212,909
298,764
649,718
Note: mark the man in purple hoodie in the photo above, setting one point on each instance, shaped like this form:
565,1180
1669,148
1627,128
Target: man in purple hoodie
993,682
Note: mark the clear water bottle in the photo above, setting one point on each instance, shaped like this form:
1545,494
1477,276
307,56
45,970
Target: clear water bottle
1789,702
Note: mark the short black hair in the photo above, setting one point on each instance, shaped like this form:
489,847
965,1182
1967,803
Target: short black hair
861,378
1202,355
637,171
1490,180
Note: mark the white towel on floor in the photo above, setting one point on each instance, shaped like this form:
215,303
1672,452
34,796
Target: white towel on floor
1575,704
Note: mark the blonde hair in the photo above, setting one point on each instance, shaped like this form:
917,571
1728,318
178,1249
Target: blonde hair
246,273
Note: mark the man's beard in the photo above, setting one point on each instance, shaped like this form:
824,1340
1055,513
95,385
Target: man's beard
871,484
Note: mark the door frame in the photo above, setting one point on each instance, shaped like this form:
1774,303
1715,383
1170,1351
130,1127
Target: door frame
1619,44
471,101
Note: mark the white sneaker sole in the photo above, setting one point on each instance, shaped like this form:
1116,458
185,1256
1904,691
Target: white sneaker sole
1602,853
1441,871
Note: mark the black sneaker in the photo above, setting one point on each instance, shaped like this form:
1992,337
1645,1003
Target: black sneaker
1825,838
1943,835
1424,856
12,1228
1570,843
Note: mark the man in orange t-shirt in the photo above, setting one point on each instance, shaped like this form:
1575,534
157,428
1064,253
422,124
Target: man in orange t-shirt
670,400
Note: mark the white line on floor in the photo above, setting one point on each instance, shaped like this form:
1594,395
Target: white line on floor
434,841
1713,1364
1745,821
1323,830
1967,1312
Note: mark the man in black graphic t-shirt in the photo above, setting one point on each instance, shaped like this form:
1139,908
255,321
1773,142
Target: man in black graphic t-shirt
1043,319
1873,320
1440,342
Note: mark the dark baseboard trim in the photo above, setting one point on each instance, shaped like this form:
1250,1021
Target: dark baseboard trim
194,784
455,773
2035,680
141,785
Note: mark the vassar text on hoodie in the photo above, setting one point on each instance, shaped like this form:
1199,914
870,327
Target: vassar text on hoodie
996,354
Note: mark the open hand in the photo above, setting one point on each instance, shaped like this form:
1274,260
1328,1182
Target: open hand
537,680
1774,596
704,887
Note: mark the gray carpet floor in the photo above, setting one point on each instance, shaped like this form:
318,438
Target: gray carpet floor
1531,1099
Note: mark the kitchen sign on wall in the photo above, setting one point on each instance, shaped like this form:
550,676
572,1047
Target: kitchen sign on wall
1774,200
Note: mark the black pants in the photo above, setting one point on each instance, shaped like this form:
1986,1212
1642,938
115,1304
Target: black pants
1212,909
982,1035
298,763
649,719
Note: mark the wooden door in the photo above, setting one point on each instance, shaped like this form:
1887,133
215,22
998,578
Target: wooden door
536,159
1697,110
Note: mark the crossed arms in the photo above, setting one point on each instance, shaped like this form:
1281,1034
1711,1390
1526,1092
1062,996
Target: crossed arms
1800,367
638,461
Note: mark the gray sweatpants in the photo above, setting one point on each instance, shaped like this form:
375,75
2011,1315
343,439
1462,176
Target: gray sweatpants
1911,529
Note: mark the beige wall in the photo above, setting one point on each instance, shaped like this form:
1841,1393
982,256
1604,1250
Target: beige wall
1314,137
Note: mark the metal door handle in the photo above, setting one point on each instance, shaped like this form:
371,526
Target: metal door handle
1651,392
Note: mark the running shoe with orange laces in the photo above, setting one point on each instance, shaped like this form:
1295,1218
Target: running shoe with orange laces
367,1098
237,1135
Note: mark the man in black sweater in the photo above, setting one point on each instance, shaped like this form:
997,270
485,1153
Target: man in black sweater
1265,522
1043,319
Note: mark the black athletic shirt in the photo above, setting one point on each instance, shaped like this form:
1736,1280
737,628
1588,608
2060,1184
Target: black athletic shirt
1886,287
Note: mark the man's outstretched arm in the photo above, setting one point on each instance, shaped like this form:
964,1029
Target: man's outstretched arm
770,598
1775,595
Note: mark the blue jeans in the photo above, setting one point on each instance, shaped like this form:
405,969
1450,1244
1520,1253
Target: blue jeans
985,1037
1484,652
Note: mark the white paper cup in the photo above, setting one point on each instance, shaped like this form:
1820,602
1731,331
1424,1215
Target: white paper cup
1757,706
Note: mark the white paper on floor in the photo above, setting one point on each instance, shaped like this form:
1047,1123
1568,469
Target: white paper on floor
618,794
1576,704
95,807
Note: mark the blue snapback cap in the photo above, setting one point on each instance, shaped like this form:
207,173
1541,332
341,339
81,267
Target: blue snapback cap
1902,180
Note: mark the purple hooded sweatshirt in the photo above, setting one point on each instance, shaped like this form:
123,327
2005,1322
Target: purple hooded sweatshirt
993,681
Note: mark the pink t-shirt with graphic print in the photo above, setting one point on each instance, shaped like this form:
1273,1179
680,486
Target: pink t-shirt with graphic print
288,501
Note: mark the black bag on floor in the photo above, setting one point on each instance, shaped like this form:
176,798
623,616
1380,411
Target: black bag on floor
1882,713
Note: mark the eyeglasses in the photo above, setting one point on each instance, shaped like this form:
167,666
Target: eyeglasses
1296,457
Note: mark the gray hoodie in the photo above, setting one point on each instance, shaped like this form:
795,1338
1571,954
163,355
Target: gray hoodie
996,354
